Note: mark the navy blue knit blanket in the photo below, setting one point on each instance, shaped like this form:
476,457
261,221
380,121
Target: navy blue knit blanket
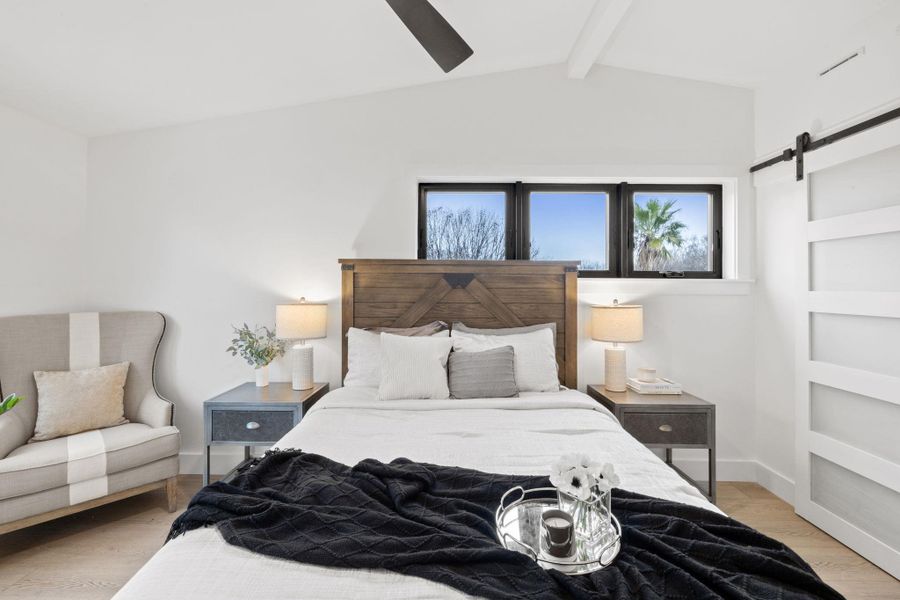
437,523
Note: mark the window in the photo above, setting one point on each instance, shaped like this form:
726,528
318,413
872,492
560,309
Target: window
614,230
673,231
571,222
466,222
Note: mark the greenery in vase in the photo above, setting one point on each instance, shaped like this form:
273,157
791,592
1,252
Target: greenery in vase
257,346
9,402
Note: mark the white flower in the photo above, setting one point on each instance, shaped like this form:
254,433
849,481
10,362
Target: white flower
605,476
575,482
578,460
601,485
579,475
558,470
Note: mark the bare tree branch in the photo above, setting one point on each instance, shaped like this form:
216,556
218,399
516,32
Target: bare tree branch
464,235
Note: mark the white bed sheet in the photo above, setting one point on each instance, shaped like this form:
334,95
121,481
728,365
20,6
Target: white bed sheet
509,435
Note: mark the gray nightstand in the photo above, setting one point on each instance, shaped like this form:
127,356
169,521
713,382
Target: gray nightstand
255,416
666,421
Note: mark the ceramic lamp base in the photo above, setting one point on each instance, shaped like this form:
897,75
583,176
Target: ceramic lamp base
614,378
302,373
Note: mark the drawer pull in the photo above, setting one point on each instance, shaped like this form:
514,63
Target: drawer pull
252,425
666,428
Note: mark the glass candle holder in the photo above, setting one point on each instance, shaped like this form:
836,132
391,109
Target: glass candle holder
559,528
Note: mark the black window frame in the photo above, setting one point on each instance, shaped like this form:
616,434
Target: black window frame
613,238
509,222
628,192
620,242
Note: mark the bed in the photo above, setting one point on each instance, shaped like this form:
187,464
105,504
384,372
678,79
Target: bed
508,435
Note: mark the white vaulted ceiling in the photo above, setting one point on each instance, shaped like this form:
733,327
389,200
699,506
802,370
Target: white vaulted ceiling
101,66
104,66
736,42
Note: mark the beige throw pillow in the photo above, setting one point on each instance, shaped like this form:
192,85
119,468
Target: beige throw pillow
70,402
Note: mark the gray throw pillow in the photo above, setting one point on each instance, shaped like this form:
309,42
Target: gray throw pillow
485,374
504,330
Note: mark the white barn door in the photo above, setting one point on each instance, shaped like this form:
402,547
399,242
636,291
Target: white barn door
848,345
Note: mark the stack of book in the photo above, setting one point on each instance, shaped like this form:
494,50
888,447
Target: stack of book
660,386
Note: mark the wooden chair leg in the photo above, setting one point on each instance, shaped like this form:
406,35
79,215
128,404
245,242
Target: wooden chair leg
172,493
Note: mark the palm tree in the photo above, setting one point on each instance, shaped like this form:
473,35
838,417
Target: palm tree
656,233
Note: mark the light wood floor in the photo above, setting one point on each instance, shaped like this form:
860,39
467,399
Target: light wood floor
844,570
92,554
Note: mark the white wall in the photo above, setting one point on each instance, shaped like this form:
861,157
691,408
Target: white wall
799,100
796,101
214,223
779,222
704,341
43,172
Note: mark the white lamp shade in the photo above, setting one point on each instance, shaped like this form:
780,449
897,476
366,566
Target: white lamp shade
304,321
617,323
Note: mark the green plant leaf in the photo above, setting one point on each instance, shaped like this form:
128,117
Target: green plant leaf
9,402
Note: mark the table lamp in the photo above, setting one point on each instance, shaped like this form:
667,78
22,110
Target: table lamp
617,323
302,321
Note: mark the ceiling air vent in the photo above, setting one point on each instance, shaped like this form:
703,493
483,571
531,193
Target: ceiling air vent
843,61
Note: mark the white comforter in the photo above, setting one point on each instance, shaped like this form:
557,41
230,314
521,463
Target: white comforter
511,435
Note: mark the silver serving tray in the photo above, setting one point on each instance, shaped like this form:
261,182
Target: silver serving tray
518,525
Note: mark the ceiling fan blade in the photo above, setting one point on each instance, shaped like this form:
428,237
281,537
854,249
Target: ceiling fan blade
433,31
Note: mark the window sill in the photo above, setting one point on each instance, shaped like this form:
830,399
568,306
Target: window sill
668,287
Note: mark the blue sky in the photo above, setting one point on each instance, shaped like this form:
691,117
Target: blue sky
572,225
493,201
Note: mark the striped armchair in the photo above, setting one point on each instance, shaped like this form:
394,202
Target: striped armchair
40,481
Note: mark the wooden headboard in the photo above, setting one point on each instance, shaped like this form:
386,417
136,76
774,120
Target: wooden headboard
405,293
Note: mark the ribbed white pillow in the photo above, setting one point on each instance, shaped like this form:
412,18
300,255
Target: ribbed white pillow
364,357
535,356
414,367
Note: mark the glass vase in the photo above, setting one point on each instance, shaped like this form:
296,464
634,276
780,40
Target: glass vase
591,517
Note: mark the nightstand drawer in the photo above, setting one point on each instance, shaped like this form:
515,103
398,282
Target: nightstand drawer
250,425
667,428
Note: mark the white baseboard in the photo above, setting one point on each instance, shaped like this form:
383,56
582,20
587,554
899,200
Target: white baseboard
775,482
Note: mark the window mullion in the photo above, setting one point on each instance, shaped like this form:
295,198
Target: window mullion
523,223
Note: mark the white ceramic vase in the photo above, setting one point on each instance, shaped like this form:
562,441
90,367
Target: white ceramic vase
262,376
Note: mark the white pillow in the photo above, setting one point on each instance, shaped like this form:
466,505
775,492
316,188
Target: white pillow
364,357
414,367
535,356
